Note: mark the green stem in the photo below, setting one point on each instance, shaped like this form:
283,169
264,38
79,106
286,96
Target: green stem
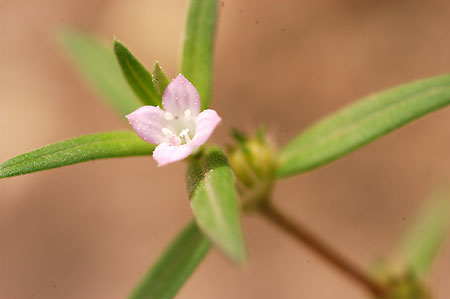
305,237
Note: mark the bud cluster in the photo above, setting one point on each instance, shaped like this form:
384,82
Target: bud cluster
254,163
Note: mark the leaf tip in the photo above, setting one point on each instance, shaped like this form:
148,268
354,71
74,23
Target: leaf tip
240,256
118,46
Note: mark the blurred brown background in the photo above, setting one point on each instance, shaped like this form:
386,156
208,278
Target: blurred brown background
92,230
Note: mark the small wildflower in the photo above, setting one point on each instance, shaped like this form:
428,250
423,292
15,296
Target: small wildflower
180,128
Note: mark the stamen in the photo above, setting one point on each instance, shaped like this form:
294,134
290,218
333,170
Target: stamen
167,132
184,133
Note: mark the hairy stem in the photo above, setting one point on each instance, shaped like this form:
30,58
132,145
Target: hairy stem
305,237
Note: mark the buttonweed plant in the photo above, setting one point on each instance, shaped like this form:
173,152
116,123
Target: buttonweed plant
172,121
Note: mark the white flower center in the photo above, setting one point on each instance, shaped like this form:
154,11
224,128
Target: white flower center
187,114
168,116
180,129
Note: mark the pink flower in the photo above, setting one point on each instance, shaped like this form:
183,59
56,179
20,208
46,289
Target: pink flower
180,128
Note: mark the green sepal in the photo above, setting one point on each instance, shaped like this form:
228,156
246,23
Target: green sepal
160,80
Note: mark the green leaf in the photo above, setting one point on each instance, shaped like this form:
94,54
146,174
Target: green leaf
160,80
426,235
76,150
214,202
175,266
197,63
137,76
98,64
362,122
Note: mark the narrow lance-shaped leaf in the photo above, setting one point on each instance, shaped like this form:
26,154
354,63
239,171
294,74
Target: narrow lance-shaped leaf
362,122
214,202
175,265
423,240
77,150
160,80
197,63
97,62
137,76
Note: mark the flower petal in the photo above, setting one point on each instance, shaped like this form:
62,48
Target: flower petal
148,122
181,95
165,153
205,124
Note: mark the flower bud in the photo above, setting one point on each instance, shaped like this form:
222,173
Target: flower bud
401,284
254,162
405,287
